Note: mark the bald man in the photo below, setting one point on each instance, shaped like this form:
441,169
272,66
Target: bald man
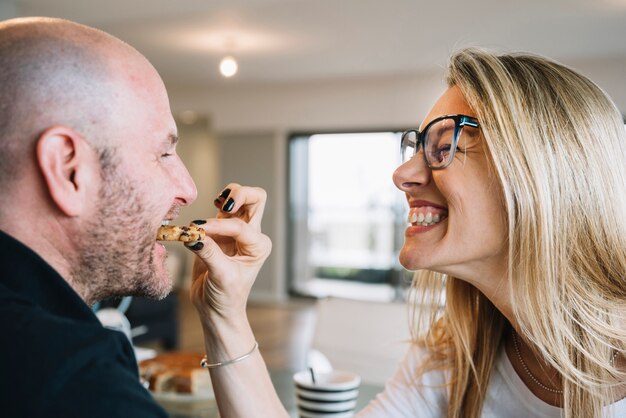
88,172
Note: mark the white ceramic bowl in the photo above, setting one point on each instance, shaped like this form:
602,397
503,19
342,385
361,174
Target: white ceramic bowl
304,414
327,396
318,407
334,381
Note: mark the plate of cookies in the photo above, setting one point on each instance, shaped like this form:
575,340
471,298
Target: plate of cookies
177,377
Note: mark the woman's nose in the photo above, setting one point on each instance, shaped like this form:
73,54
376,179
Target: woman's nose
413,173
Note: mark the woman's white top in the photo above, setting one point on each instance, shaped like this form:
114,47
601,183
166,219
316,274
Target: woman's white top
507,395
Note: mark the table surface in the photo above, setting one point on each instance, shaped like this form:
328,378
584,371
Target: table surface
283,383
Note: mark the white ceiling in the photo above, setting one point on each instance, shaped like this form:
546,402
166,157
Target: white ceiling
299,40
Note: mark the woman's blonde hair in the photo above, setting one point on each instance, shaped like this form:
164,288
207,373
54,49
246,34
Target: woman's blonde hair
558,148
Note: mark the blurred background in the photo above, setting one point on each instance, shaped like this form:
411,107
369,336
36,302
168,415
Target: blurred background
314,110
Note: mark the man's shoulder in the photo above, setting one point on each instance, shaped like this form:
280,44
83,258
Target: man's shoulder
36,333
63,362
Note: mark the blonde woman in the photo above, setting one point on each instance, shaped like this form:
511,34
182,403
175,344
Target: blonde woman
516,188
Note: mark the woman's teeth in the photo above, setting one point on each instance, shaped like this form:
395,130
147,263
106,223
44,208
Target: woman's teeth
424,219
165,222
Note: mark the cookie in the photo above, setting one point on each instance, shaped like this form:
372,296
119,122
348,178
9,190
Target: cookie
180,233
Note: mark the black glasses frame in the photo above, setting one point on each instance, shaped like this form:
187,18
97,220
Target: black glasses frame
460,121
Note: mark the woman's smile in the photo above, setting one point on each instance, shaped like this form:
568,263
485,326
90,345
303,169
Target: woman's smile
424,216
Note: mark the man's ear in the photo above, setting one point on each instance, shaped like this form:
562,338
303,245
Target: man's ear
66,163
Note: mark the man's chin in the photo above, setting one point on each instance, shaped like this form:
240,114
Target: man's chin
159,286
156,282
153,283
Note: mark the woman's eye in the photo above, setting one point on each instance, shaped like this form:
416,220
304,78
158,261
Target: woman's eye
443,152
166,155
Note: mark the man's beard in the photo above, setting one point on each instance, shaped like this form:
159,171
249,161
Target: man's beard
116,258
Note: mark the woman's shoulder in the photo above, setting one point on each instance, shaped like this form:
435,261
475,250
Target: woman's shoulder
419,390
507,392
421,367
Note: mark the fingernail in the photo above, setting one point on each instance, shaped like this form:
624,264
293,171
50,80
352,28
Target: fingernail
197,246
217,202
228,206
198,222
224,193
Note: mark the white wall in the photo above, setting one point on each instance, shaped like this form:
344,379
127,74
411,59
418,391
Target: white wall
339,104
347,104
250,125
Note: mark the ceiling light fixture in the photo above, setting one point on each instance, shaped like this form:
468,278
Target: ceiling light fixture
228,66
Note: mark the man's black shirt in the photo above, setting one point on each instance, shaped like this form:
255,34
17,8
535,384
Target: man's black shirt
56,360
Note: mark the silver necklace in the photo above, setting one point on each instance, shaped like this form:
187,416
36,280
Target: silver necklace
534,379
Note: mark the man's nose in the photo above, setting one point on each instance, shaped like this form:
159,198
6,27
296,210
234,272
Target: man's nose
186,191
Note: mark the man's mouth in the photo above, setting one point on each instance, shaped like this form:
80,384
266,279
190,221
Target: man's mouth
170,215
164,222
426,216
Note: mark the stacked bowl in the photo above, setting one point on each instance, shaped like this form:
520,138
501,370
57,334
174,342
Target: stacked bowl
326,395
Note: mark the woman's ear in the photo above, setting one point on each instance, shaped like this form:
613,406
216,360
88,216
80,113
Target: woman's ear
66,162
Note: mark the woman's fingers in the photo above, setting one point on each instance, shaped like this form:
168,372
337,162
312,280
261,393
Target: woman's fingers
211,259
240,231
246,203
232,253
246,240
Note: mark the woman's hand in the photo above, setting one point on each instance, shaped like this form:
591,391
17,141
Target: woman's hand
231,255
228,261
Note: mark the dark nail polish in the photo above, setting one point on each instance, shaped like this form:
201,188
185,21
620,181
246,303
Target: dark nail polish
198,222
197,246
224,193
217,202
228,206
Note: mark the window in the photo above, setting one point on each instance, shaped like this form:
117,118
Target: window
347,219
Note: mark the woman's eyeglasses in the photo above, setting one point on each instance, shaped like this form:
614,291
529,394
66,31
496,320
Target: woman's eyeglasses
438,140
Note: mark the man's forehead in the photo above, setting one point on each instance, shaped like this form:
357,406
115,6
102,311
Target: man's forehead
144,107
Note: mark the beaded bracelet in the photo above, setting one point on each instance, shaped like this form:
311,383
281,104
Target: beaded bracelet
204,363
